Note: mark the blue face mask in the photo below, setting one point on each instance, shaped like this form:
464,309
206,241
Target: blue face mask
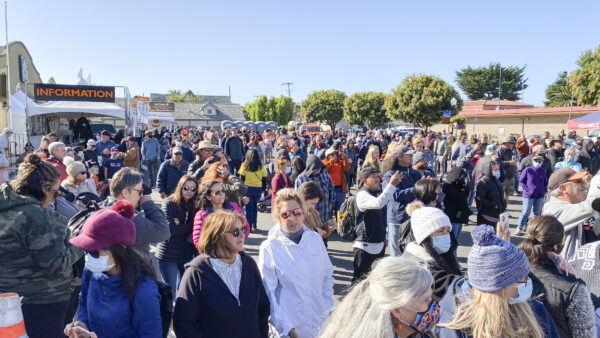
496,174
524,293
537,165
569,158
442,243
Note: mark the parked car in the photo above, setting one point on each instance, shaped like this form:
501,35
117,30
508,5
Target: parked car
98,127
313,129
593,135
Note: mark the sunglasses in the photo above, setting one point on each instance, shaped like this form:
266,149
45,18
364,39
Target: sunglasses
288,213
236,232
216,192
178,154
192,189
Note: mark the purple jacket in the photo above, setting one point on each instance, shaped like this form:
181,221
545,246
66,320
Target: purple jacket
534,182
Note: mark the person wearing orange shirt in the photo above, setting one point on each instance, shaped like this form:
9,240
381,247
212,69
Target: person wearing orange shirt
337,164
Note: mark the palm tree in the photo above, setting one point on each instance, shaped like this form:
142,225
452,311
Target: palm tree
175,96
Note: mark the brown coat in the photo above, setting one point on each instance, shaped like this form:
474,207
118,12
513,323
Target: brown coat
522,147
312,220
131,158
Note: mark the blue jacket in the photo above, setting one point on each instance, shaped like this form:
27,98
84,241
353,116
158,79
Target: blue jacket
448,307
404,194
105,308
101,146
169,175
150,149
188,154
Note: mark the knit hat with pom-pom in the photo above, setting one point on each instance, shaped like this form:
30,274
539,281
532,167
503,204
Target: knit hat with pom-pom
107,227
494,263
73,167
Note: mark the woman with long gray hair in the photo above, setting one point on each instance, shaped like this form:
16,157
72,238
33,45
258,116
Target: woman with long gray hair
393,301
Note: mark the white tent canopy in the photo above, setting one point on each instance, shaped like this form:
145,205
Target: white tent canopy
91,108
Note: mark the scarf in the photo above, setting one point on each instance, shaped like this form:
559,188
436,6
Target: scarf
561,264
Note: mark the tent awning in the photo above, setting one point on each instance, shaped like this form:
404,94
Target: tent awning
589,121
96,108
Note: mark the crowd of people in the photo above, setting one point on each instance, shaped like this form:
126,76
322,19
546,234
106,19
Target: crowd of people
93,255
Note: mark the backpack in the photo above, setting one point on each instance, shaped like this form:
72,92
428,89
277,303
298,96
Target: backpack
166,304
104,189
75,225
346,219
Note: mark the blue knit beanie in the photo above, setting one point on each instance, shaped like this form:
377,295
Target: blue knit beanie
494,263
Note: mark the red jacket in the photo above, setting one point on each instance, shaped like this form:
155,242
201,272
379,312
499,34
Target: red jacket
62,168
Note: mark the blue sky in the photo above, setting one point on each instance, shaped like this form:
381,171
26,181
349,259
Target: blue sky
254,46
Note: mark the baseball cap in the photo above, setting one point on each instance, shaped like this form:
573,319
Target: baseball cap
105,133
564,175
509,139
367,171
404,150
419,155
114,150
91,143
329,152
176,150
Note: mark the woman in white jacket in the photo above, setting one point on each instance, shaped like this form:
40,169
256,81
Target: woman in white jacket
296,270
77,183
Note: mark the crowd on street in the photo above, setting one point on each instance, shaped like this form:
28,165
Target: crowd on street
78,224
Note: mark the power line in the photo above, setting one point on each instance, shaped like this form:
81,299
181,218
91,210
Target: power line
289,90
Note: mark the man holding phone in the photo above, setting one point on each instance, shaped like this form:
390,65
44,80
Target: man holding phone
403,194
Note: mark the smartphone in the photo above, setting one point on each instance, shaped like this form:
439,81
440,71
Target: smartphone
504,221
80,329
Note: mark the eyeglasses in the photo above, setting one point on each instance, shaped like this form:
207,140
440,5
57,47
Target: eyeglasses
522,282
237,231
139,191
288,213
192,189
178,154
216,192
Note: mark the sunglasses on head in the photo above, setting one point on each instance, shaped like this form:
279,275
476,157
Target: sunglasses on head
288,213
216,192
236,232
192,189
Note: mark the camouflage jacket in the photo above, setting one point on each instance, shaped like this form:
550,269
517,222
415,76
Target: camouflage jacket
35,256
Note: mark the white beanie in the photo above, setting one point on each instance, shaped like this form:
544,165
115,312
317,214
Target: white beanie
427,220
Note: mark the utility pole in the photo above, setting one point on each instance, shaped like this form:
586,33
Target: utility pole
8,108
499,89
289,90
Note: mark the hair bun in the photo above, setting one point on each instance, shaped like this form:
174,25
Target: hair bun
33,159
482,234
124,208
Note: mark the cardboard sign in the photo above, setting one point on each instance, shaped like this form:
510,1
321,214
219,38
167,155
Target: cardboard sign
54,92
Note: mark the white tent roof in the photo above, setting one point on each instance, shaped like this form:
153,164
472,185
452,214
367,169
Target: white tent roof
96,108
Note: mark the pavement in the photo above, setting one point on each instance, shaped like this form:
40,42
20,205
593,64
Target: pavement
340,251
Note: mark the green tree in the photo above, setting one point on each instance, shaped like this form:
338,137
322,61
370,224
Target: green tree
365,108
175,96
51,80
325,106
558,94
285,107
280,109
421,99
585,81
481,83
189,96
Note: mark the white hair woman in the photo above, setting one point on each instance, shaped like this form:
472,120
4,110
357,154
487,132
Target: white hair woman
569,161
393,301
296,270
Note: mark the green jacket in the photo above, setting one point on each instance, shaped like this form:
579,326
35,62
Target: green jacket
35,256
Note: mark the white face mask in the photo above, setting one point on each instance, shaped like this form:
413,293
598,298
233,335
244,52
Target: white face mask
97,265
288,170
441,244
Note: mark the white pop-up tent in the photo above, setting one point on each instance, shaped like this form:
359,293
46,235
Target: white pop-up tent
86,108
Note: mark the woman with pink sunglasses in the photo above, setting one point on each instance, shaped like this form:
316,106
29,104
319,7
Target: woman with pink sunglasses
297,273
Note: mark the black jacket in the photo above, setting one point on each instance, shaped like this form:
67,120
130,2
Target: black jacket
555,156
455,199
206,308
177,247
555,290
489,195
588,160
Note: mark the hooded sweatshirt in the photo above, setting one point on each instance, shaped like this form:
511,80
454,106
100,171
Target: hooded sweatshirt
489,194
313,163
456,192
36,258
585,158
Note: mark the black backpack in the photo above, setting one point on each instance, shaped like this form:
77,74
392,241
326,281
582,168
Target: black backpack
166,303
346,219
75,226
